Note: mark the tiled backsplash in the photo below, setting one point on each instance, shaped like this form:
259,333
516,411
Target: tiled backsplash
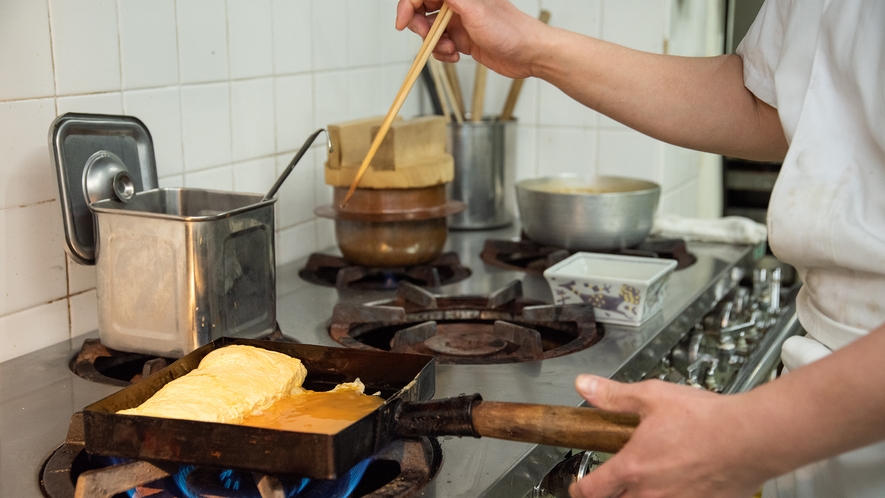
230,89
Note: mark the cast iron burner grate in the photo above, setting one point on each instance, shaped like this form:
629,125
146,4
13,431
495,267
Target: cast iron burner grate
533,257
502,327
335,271
400,469
97,363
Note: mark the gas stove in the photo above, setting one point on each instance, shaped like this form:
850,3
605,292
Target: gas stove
39,393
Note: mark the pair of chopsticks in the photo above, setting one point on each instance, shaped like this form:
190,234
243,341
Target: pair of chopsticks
439,26
446,94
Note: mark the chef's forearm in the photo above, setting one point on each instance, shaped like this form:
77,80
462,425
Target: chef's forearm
826,408
695,102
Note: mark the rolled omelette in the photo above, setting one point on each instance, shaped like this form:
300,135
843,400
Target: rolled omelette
230,383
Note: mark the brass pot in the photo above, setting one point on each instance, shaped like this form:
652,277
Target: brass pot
391,243
391,227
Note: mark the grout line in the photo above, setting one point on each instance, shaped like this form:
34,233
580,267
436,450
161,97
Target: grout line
180,97
230,97
52,55
119,47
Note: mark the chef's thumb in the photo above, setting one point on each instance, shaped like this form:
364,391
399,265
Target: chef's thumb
608,395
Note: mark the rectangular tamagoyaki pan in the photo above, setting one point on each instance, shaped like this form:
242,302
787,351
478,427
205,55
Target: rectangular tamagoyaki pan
406,382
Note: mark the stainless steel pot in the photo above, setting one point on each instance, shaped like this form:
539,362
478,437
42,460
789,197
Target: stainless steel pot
178,268
600,213
175,268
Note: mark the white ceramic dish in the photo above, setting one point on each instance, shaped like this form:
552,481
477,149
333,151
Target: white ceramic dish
626,290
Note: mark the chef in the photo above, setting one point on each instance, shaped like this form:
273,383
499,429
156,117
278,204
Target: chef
807,88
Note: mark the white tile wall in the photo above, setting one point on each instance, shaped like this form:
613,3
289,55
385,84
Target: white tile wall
33,328
160,110
250,38
100,103
25,46
206,125
252,118
148,47
254,176
329,41
293,100
33,272
27,177
230,89
85,46
295,199
292,50
84,314
202,40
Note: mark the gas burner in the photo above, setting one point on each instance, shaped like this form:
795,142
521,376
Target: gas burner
400,469
334,271
502,327
533,257
98,363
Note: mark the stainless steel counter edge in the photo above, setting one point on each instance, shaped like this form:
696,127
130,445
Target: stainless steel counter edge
541,459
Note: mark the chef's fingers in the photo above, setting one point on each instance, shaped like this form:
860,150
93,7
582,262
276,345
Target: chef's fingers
459,36
410,13
612,396
418,22
445,49
580,489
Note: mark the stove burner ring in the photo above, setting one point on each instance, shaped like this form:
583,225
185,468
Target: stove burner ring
97,363
499,328
400,469
466,344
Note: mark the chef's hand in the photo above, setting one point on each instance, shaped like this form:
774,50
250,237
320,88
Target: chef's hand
494,32
686,445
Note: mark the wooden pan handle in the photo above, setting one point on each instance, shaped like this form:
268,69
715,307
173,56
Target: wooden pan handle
469,415
569,427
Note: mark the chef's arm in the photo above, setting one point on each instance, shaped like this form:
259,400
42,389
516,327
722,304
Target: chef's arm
693,443
695,102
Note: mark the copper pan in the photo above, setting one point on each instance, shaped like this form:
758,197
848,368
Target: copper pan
391,227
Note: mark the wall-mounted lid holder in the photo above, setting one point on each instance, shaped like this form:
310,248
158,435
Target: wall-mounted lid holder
98,157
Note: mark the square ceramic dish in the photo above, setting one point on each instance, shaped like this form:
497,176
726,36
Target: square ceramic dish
625,290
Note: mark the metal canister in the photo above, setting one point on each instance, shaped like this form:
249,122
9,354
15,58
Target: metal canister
175,268
485,168
178,268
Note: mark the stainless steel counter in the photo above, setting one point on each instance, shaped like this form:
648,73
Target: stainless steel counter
38,393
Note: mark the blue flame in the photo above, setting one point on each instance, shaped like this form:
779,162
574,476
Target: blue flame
341,487
304,487
121,461
390,281
181,480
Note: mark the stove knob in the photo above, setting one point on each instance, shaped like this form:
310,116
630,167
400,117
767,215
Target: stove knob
556,483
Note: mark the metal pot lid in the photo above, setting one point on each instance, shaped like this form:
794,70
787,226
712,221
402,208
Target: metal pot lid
98,157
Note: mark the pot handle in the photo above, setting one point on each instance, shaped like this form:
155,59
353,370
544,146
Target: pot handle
279,183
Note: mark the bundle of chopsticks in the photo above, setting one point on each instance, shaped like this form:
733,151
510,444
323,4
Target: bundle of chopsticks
448,91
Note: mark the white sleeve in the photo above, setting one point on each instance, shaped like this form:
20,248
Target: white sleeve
760,49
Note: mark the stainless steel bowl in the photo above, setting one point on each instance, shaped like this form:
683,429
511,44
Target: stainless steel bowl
600,213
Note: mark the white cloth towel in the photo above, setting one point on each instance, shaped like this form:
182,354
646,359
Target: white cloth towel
730,229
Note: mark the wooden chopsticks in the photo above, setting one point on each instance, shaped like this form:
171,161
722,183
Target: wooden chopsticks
448,93
439,26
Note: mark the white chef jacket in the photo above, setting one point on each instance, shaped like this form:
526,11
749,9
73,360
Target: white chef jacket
821,63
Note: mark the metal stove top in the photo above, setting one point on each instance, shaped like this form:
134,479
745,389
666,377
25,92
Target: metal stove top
38,392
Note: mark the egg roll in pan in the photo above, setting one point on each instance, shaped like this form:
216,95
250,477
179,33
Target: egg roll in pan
405,381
